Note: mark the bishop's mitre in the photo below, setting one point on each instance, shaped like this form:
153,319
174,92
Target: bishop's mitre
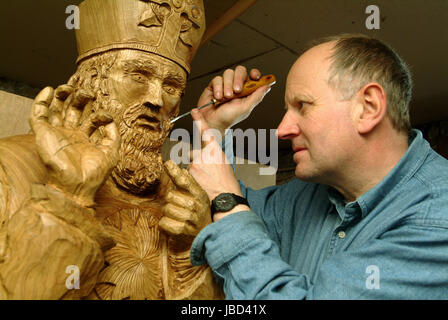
170,28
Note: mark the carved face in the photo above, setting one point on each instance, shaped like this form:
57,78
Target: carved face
150,81
145,91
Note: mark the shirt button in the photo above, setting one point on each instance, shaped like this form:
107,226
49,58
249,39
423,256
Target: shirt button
341,234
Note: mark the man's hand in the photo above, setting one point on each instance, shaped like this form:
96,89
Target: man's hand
187,208
77,165
225,87
211,169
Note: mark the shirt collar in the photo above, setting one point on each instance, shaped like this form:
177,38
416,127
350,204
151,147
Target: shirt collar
403,170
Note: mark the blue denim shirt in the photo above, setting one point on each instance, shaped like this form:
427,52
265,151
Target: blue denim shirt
303,241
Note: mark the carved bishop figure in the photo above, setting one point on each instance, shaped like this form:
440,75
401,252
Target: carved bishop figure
88,188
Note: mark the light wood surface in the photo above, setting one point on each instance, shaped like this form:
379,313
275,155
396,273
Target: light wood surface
87,191
89,209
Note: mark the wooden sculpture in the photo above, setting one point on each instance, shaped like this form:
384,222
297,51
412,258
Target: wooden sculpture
88,190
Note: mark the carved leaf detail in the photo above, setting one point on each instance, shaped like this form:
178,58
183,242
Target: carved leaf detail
185,36
186,39
186,23
149,19
134,264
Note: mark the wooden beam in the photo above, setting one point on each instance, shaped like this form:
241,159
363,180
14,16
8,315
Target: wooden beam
234,12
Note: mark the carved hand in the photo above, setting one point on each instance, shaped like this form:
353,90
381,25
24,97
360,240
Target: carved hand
77,165
187,208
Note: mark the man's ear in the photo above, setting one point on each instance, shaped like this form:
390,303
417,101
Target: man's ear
371,107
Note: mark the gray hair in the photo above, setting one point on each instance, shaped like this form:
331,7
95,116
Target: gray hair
358,59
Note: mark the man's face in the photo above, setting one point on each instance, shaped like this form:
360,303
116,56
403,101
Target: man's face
317,121
145,91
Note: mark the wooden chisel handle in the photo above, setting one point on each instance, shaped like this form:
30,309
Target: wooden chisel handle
250,87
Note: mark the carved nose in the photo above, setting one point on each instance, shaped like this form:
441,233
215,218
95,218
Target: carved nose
153,99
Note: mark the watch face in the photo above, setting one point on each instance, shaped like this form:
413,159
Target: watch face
224,202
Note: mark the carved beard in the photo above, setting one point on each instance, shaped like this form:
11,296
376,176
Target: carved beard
140,163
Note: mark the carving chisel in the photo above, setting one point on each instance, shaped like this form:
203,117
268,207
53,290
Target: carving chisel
248,88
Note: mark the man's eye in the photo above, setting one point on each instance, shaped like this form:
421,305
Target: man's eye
301,105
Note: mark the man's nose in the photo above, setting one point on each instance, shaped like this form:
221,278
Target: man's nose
288,127
154,98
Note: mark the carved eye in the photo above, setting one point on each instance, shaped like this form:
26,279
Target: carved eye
170,89
138,77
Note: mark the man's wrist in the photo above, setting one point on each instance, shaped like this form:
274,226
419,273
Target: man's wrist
238,208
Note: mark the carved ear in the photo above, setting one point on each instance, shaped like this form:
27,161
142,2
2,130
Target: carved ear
93,78
103,78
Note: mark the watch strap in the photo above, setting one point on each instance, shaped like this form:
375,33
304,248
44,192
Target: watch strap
238,200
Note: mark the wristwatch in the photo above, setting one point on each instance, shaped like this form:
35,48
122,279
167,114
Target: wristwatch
226,201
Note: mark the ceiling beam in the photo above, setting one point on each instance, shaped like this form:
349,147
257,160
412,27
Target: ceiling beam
234,12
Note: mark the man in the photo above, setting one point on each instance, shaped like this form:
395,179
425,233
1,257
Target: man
367,216
85,202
